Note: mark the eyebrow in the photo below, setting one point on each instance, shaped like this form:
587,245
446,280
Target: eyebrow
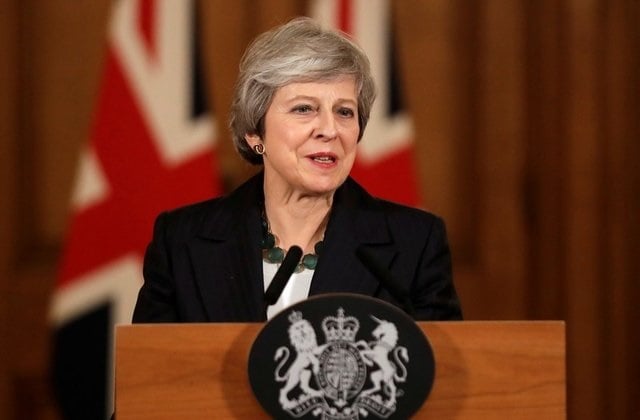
313,98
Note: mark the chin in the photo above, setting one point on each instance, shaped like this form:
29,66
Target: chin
325,187
315,190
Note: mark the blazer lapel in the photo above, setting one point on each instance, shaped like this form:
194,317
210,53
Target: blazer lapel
356,221
226,257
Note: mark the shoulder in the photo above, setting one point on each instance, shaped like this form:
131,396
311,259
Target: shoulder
412,221
213,216
398,216
187,221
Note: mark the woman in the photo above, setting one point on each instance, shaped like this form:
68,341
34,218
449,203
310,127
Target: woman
301,105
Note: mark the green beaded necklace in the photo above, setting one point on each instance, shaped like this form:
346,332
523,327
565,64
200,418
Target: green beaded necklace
274,254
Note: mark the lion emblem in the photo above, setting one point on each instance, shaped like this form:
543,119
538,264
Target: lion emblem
303,338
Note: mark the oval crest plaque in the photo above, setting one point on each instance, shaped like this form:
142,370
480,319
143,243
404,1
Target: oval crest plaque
341,357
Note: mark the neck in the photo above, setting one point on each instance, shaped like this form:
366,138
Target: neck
301,221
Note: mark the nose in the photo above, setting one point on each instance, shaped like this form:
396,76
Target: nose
327,128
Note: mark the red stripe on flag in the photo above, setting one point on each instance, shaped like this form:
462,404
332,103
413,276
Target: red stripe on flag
140,184
393,178
146,25
345,16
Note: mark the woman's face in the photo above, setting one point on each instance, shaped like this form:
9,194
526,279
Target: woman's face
311,133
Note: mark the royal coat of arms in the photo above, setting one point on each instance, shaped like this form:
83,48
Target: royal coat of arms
329,379
341,356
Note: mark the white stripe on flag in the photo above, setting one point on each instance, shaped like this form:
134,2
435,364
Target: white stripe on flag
117,283
371,26
164,75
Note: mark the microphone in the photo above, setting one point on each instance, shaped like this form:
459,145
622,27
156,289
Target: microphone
387,280
282,276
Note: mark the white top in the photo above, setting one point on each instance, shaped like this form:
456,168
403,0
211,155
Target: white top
297,287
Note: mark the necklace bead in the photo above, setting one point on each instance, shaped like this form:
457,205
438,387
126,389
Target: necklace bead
268,241
275,255
310,261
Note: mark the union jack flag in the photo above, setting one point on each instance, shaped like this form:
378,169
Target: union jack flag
385,155
151,148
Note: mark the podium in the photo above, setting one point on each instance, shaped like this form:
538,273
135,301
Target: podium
484,370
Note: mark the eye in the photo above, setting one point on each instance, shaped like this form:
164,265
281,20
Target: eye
346,112
302,109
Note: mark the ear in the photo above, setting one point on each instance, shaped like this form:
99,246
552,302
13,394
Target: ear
252,139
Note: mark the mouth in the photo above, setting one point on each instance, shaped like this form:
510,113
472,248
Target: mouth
323,158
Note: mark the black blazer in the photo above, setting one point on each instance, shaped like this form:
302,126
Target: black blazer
204,262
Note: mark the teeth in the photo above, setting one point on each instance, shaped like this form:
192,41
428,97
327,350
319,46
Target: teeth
323,159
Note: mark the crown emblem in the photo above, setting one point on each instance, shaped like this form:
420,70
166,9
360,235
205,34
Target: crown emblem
340,328
295,316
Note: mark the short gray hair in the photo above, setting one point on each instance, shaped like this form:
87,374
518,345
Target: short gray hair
298,51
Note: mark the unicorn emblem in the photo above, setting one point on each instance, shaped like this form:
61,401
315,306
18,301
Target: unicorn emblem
377,353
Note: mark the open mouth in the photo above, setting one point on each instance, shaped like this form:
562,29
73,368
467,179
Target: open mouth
323,159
